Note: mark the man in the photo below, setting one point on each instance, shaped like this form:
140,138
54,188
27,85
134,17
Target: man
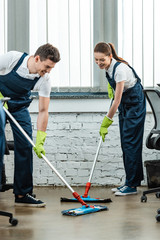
2,138
19,74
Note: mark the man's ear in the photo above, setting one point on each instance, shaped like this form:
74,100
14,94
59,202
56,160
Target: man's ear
37,58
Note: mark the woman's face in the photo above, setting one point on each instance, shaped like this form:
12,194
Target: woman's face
102,60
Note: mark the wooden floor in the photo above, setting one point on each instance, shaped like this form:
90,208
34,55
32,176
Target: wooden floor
126,219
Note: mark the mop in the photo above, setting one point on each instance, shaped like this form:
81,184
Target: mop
85,209
85,197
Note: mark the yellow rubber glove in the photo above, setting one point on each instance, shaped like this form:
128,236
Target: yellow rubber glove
40,139
110,92
104,127
5,105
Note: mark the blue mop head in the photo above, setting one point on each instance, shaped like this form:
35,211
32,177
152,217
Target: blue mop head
87,199
84,210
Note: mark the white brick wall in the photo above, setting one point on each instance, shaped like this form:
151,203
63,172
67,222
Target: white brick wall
71,144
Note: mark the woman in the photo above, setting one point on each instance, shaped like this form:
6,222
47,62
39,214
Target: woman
130,101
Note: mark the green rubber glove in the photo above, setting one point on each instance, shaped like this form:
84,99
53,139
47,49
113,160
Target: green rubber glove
40,139
5,105
104,127
110,92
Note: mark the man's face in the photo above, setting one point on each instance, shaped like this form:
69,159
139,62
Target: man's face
43,67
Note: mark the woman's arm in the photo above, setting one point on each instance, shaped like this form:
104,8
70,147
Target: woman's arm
117,99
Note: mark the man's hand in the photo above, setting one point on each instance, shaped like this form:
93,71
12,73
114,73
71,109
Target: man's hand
5,105
110,92
104,127
41,136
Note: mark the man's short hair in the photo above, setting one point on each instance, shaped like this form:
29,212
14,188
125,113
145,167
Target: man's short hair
47,51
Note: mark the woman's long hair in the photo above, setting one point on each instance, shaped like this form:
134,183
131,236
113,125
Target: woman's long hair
108,49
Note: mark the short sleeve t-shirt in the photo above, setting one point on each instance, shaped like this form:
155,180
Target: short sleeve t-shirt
122,73
8,62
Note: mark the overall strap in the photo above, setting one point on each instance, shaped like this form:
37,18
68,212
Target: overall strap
111,81
20,61
135,74
114,69
107,76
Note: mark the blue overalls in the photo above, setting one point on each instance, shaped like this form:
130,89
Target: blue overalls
2,139
19,90
132,111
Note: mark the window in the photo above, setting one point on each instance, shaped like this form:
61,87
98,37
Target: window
67,24
139,37
3,24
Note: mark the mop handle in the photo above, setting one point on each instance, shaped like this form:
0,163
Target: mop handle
30,140
95,159
75,194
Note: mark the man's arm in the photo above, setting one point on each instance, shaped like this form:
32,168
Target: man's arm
41,125
42,119
9,60
4,61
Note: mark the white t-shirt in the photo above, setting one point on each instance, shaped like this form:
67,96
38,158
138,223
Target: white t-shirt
8,62
122,73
